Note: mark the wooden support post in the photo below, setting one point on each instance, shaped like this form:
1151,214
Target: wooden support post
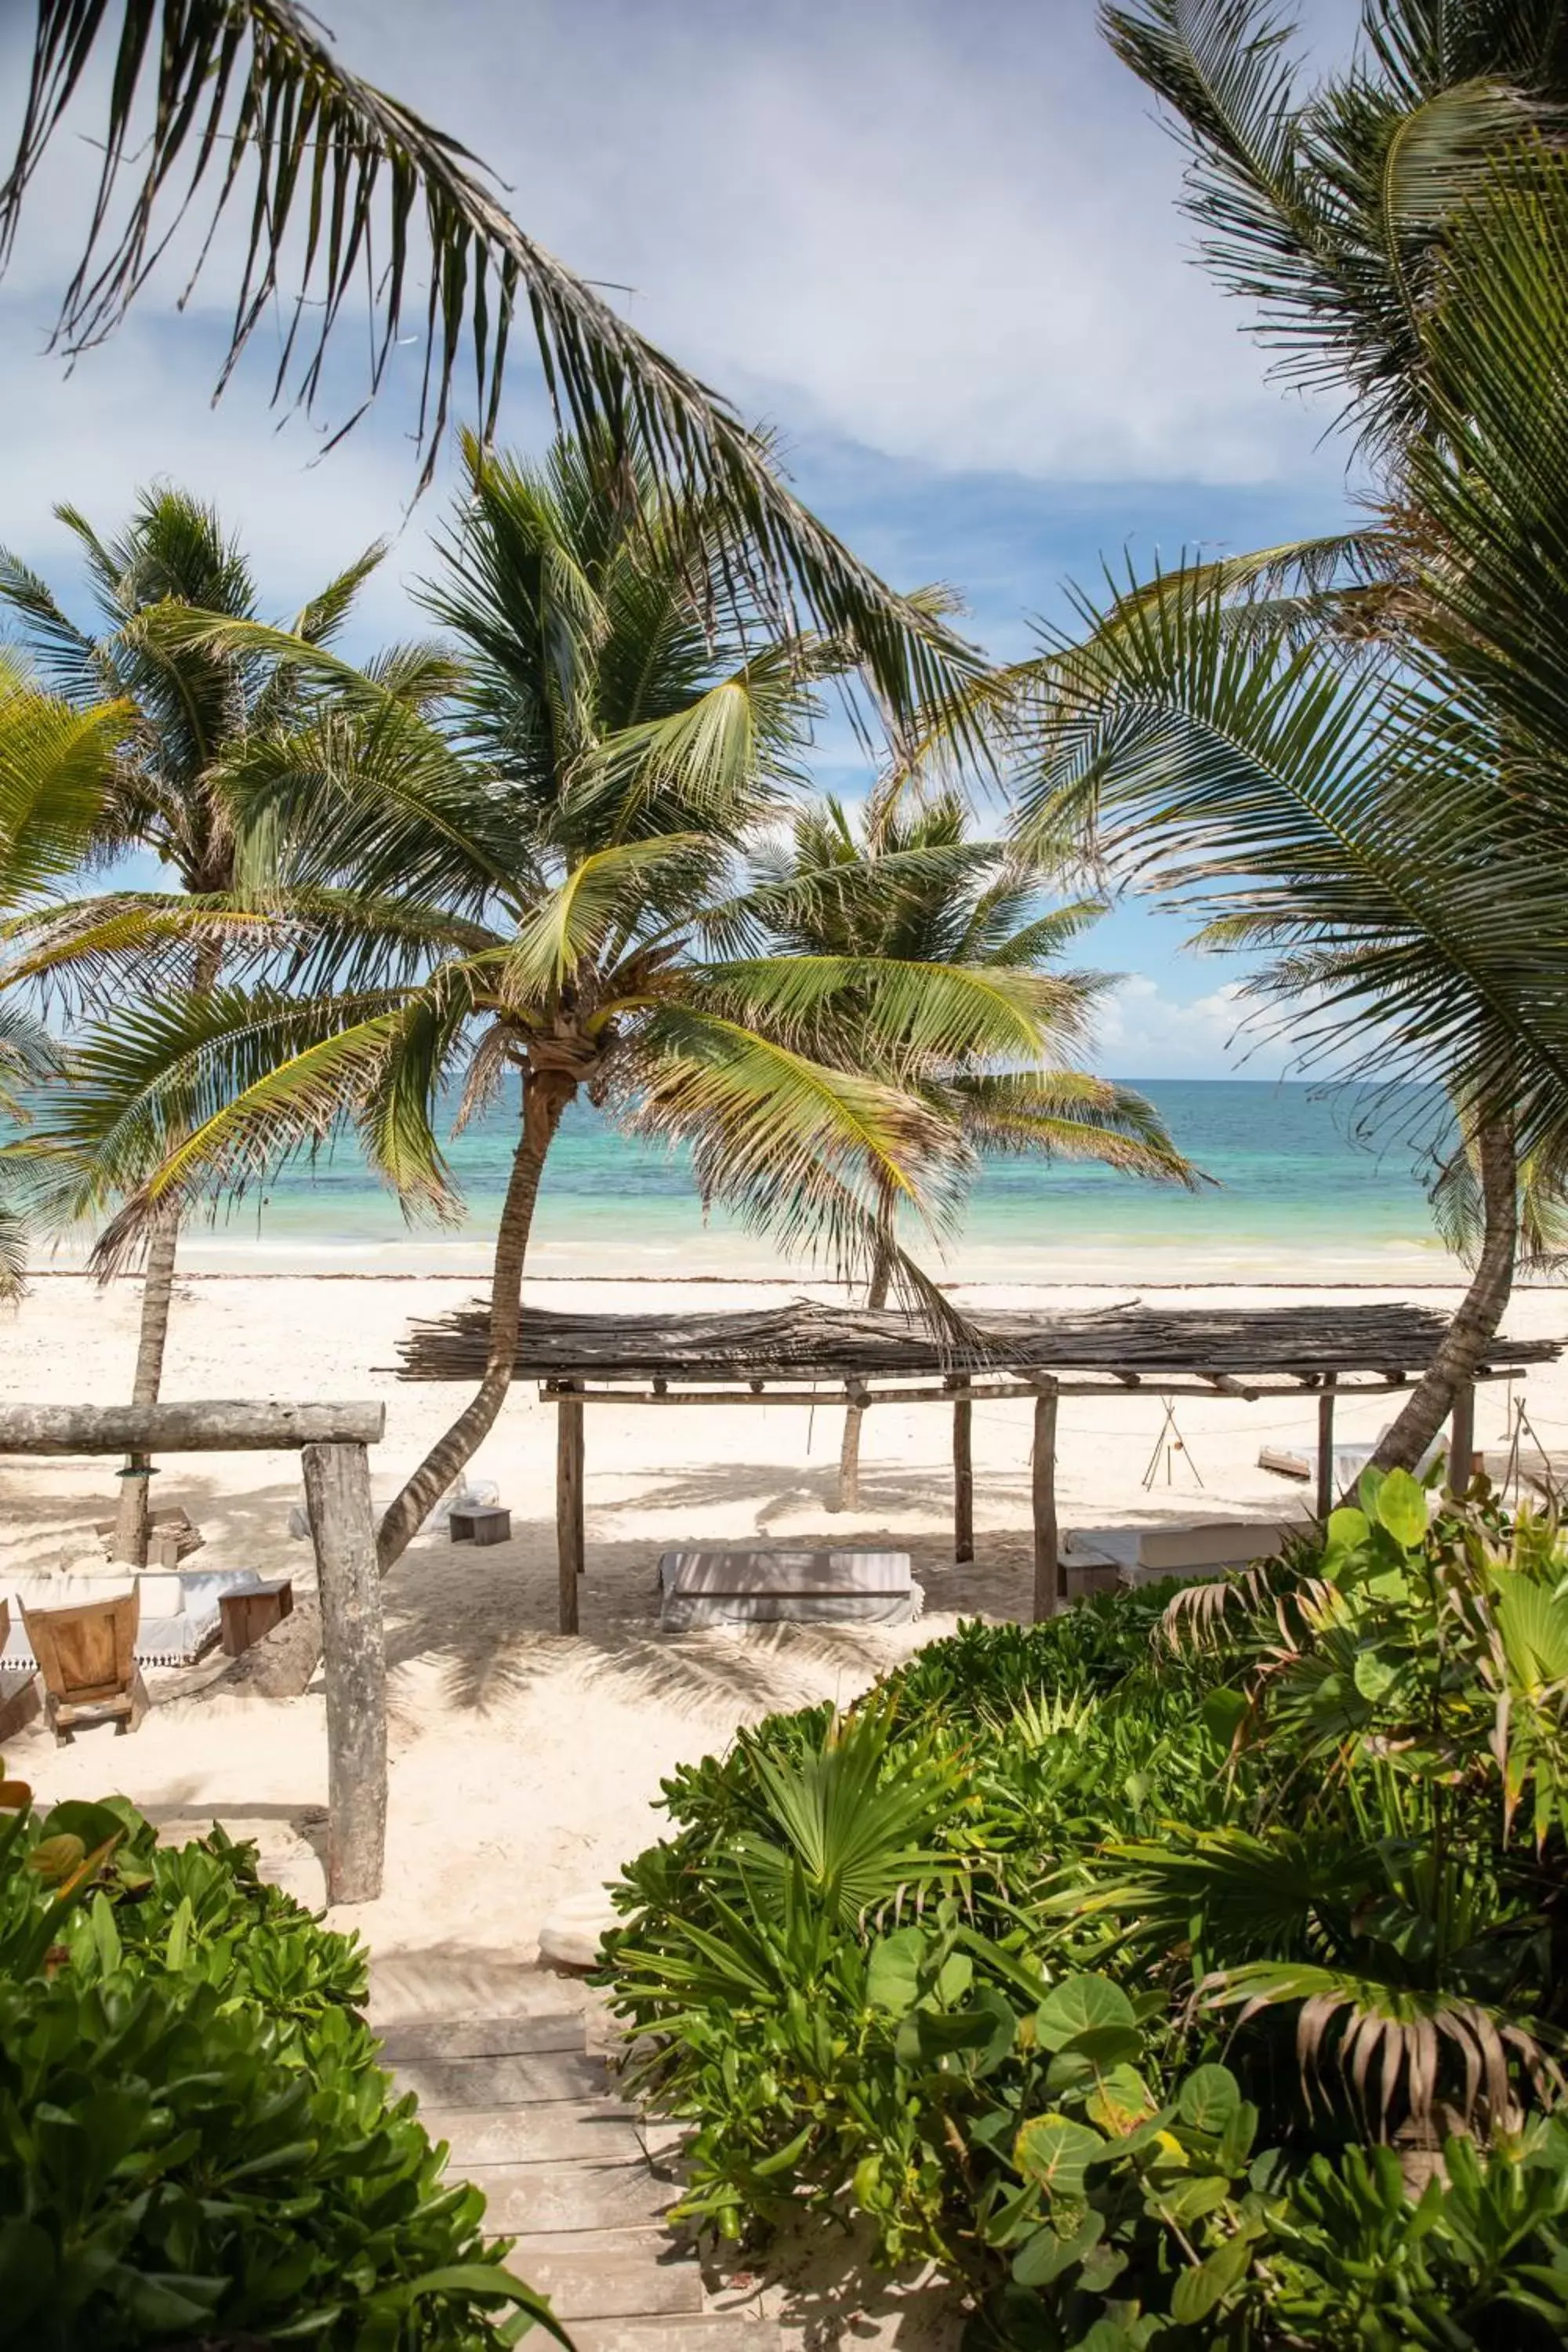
569,1506
1325,1498
343,1526
963,1482
1049,1583
1462,1442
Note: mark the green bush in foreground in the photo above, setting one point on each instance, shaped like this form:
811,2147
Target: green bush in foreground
1186,1972
196,2144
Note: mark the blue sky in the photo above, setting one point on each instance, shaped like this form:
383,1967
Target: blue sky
937,251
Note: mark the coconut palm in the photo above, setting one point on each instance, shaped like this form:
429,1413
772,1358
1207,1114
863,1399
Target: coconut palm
908,879
56,768
546,890
1349,752
193,710
349,196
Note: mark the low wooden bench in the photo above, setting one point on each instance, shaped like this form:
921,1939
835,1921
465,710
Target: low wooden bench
479,1523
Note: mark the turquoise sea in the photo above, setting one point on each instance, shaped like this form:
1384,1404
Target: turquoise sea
1308,1184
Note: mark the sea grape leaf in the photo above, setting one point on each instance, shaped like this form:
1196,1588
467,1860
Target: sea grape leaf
1057,2152
1082,2005
1348,1528
1402,1509
1119,2102
1208,2098
1197,2291
893,1971
1047,2253
1374,1675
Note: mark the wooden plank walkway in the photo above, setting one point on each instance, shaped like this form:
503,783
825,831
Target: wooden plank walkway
531,2117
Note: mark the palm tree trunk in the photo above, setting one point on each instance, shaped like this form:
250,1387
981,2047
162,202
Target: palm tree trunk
1465,1344
853,1414
545,1095
133,1515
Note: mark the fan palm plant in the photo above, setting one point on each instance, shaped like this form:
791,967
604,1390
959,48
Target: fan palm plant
192,710
194,104
909,880
547,890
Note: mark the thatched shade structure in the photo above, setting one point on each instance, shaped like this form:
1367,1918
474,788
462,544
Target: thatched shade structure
806,1353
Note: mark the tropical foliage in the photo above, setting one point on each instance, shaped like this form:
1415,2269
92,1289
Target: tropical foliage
543,880
349,197
908,878
1348,754
1184,1972
195,2141
192,715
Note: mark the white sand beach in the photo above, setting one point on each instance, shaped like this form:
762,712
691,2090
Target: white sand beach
524,1767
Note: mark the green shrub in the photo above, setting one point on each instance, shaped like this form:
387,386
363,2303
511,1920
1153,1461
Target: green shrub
1293,1845
196,2140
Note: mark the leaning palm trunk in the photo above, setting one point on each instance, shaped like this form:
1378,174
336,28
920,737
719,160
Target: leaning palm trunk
545,1095
1469,1334
855,1414
133,1515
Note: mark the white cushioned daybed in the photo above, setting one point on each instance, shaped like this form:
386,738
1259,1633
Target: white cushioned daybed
762,1587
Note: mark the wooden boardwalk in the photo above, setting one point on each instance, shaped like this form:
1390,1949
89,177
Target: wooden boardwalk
502,2071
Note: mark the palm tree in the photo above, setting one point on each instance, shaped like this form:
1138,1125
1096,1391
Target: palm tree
1349,751
910,881
547,889
57,768
192,712
193,103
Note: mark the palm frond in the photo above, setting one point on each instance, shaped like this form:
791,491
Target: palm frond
349,186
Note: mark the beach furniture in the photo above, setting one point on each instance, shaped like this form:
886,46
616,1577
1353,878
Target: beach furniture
1150,1555
170,1536
18,1685
85,1655
756,1588
479,1523
249,1613
180,1611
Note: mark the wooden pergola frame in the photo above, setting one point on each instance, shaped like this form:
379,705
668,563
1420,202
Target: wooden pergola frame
333,1442
961,1391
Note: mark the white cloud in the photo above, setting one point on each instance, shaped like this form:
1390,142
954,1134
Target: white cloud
1147,1030
949,236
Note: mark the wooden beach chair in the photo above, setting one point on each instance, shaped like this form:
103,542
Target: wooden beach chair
85,1655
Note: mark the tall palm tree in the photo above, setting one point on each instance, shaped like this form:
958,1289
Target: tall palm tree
192,712
908,879
57,769
350,197
548,891
1349,751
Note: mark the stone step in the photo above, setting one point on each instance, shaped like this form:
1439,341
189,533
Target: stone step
601,2284
503,2081
718,2332
444,1985
569,2197
564,2132
480,2037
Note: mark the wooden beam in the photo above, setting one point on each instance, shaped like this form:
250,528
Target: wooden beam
193,1428
342,1527
569,1548
963,1482
937,1391
1462,1442
1325,1496
1049,1588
